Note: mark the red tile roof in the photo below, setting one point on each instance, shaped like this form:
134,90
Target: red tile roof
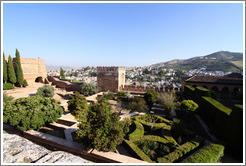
215,79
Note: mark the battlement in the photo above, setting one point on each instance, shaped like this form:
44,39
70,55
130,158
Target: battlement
110,68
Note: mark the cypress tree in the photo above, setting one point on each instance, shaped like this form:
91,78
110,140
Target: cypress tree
5,73
11,71
62,75
19,72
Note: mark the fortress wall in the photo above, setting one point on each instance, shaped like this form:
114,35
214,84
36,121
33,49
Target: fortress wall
32,68
64,84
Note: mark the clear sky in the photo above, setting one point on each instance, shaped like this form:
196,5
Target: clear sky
112,34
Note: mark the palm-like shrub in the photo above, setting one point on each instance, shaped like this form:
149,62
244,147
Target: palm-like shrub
168,101
31,112
88,89
45,91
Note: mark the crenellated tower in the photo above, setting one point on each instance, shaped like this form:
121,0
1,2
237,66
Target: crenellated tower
110,78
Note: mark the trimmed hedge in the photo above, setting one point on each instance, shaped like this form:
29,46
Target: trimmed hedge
137,151
210,154
166,124
235,130
189,92
138,132
201,91
217,113
181,150
8,86
154,138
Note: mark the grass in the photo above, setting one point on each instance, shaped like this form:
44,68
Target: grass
238,63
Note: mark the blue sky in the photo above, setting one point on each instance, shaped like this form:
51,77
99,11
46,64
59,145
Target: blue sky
136,34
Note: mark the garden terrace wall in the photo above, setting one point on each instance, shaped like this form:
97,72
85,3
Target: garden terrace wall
210,154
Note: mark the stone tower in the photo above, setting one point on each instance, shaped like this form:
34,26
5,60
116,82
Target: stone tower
110,78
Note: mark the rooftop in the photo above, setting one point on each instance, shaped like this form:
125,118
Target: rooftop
229,79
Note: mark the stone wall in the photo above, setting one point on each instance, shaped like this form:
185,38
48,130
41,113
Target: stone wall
146,88
66,85
32,69
110,78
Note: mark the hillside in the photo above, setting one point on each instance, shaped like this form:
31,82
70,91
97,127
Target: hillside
219,61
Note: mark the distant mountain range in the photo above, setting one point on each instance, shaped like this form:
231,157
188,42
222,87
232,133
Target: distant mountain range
51,67
218,61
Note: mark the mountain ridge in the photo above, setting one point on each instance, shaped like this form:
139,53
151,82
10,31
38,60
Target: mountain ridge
218,61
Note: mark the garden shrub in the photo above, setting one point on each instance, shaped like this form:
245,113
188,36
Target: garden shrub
138,104
138,132
101,128
77,104
31,112
121,94
8,86
109,95
45,91
137,151
188,105
151,96
126,124
88,89
6,99
181,151
210,154
168,101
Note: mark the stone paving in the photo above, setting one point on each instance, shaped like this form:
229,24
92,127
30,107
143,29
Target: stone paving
20,150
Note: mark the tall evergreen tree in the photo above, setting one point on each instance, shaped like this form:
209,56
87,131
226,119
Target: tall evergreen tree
5,73
19,72
11,71
62,75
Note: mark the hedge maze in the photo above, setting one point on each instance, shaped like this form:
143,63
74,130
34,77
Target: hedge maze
154,143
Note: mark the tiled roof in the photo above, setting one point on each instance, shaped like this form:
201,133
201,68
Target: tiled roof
215,79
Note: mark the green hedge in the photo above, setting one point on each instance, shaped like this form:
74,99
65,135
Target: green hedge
137,151
31,112
181,150
201,91
217,113
154,138
138,132
235,129
8,86
166,124
210,154
189,92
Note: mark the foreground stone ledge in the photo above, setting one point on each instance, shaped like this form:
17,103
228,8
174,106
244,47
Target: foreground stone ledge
20,150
